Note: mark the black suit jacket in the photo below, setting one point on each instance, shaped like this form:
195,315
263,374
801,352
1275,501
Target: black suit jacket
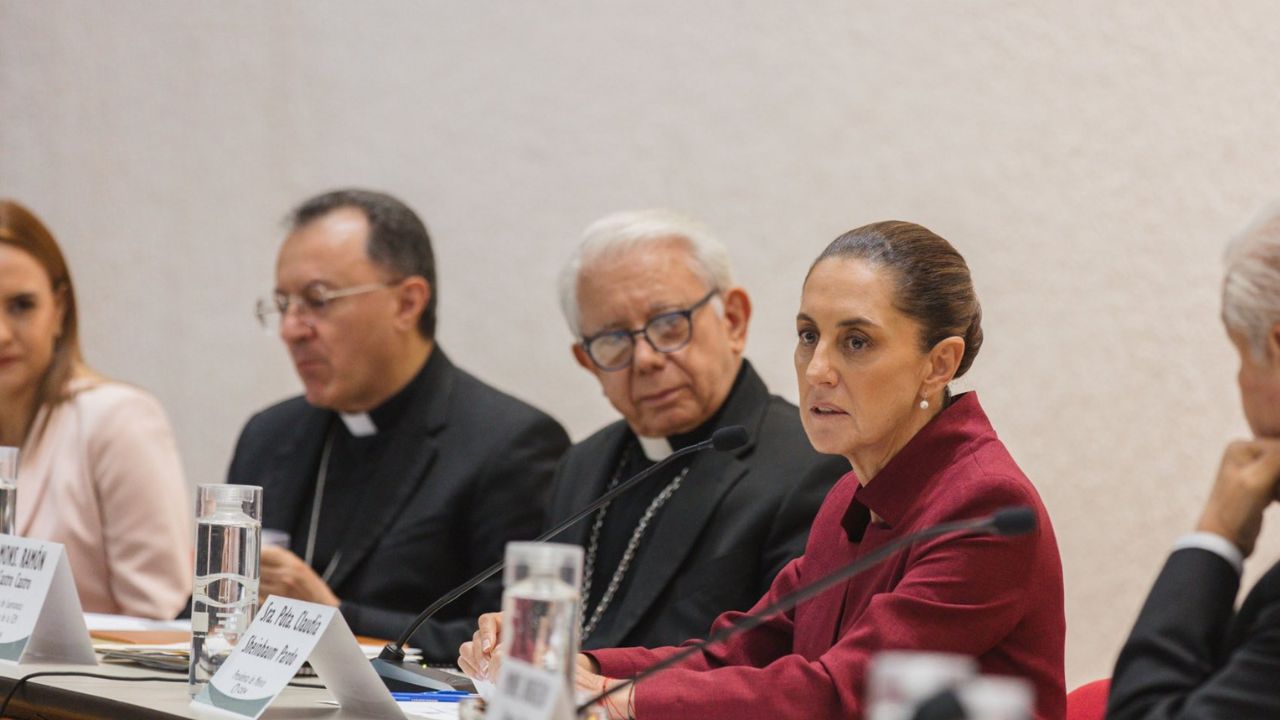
466,470
1191,655
736,520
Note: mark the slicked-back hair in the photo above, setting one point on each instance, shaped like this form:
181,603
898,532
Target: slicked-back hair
931,282
398,239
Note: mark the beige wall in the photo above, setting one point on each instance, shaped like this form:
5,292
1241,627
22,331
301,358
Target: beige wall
1089,158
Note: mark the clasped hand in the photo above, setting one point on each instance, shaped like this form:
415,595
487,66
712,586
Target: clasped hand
288,575
1248,481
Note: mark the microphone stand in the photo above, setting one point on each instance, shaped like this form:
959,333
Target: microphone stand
1010,521
390,664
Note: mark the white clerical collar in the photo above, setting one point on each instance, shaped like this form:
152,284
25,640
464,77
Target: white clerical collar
655,449
359,424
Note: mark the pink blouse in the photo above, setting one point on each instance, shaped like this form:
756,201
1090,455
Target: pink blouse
105,480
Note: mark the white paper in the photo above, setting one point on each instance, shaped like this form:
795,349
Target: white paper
433,709
429,709
40,617
108,623
183,648
347,673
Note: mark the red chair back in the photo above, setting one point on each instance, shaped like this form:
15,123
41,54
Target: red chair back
1089,701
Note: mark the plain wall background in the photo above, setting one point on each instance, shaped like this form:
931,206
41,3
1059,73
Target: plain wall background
1088,158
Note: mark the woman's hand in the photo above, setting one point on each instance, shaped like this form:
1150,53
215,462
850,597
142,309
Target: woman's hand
479,657
620,705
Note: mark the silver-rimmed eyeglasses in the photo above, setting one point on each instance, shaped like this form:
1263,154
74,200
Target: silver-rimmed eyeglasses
311,303
667,332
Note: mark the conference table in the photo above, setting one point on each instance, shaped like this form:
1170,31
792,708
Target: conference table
80,698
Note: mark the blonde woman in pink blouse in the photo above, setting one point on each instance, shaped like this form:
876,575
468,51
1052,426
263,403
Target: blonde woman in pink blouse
99,471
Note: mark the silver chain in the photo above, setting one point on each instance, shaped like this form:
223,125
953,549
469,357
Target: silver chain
589,624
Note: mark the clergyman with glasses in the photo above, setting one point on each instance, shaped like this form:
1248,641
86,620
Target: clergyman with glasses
659,322
396,475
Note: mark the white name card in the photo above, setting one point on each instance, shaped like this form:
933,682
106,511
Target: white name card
526,692
40,618
285,634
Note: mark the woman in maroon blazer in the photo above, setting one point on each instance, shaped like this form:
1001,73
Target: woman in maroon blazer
888,318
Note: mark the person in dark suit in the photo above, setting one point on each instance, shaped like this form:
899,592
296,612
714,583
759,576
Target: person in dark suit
1191,654
661,325
397,475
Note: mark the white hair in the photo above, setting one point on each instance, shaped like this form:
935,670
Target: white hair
623,232
1251,285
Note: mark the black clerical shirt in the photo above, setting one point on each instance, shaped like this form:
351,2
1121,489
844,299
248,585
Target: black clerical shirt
351,463
624,514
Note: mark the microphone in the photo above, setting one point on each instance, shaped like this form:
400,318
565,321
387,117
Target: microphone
1013,521
729,438
390,664
944,705
1017,520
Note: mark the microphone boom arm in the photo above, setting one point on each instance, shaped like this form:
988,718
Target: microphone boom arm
394,652
991,524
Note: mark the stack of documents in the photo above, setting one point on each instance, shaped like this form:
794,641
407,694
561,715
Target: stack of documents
166,644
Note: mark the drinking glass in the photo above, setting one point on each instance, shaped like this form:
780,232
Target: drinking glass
8,488
224,594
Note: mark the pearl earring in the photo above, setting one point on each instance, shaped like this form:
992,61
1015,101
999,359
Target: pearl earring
924,404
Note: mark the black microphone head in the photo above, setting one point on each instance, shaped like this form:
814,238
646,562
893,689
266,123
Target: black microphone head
944,705
729,438
1014,521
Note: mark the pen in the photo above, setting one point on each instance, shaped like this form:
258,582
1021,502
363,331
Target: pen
436,695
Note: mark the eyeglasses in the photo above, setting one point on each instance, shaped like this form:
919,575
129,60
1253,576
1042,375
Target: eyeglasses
313,301
614,349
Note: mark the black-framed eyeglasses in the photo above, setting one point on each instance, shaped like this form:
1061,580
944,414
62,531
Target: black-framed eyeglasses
668,332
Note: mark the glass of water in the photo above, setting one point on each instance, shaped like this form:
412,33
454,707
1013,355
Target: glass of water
8,489
224,595
540,605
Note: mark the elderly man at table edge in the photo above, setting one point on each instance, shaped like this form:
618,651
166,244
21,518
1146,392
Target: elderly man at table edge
1191,654
397,475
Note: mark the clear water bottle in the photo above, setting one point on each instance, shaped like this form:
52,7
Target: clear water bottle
900,681
993,697
224,595
8,489
540,605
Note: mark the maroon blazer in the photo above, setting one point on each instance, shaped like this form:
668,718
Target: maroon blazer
998,599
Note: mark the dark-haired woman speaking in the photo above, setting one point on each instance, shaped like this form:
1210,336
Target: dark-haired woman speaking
888,318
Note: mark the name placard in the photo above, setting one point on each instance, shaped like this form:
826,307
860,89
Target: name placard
40,618
285,634
526,692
